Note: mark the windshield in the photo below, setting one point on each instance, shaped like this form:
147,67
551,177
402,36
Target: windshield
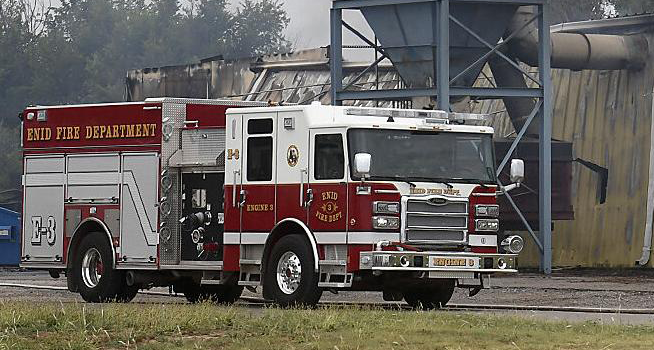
425,156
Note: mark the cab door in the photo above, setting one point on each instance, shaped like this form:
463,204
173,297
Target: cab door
257,195
233,178
293,166
328,186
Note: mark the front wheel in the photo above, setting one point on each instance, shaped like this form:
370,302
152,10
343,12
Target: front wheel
290,278
98,282
430,297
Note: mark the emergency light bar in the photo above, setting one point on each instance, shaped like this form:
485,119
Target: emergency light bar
433,116
396,113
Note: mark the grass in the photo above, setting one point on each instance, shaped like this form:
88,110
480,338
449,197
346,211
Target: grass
136,326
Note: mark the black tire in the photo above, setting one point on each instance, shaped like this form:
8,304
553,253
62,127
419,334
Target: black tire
307,292
126,293
195,295
430,297
109,282
221,294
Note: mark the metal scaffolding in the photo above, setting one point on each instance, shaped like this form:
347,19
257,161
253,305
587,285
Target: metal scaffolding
444,87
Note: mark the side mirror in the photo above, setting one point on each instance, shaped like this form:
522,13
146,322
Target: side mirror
362,163
517,170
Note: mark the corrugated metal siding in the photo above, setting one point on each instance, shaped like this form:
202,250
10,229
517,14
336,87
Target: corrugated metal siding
607,115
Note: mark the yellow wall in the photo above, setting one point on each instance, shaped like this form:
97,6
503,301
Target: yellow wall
607,115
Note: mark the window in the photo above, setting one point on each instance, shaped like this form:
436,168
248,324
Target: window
260,151
425,156
260,126
329,160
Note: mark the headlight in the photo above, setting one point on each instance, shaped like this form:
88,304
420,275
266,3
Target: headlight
487,225
513,244
386,207
385,223
492,211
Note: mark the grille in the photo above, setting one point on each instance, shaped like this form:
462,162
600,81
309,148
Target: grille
445,222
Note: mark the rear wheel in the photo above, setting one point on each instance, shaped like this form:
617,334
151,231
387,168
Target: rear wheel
126,293
98,282
222,294
430,297
290,278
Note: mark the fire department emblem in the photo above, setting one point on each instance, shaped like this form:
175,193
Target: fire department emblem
292,155
329,211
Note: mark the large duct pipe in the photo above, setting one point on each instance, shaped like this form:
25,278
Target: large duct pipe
577,51
518,108
569,51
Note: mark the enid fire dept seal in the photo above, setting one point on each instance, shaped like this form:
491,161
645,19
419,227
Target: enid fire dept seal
292,155
329,211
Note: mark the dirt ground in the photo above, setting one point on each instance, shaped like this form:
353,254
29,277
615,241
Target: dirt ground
576,288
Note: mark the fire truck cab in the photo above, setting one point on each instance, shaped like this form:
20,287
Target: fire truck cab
293,199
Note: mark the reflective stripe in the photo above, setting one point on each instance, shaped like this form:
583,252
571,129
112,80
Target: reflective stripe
232,238
321,237
372,237
254,238
330,237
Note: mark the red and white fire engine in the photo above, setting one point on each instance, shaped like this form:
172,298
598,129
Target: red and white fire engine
294,199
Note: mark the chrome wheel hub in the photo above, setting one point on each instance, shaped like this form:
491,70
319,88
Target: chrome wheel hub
289,272
92,268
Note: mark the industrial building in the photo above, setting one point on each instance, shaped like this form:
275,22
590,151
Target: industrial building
602,109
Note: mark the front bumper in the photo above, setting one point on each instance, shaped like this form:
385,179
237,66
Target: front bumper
438,263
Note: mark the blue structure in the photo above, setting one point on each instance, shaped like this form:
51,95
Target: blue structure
9,237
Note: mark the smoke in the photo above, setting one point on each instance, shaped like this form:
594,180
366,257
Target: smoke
309,27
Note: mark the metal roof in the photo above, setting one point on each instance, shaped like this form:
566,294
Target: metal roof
630,24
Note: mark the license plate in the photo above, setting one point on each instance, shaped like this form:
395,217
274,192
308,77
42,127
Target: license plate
438,261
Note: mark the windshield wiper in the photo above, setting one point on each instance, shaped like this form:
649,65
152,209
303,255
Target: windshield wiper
404,179
482,183
437,179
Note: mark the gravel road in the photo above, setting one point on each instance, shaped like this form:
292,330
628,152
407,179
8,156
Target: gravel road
579,289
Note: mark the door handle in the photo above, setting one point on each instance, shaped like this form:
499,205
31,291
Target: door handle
243,197
236,172
302,172
309,197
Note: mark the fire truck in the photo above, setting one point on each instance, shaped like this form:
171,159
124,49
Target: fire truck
208,197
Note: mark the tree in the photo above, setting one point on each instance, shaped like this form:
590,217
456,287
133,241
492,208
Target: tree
253,33
79,52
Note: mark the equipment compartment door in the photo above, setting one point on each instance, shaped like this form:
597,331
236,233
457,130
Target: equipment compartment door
43,215
328,186
138,207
